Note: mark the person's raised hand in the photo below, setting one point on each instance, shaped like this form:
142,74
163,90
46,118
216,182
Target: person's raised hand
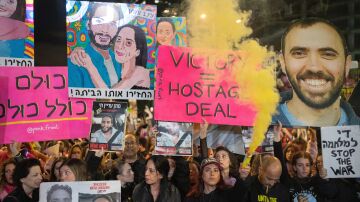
278,132
203,129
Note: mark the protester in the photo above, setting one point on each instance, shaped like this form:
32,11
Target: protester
229,165
122,171
265,186
55,169
156,186
211,186
73,170
304,187
76,152
27,178
6,179
132,157
194,177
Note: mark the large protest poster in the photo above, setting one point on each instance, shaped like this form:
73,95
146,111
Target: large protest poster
174,139
34,106
111,49
193,87
17,33
171,31
341,151
324,83
85,191
108,125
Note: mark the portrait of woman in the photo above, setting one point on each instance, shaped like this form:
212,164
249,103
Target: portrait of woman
13,29
130,50
165,32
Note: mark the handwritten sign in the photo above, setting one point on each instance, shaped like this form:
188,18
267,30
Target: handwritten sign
341,151
198,85
80,191
34,106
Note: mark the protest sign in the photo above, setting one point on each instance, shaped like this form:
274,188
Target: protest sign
196,86
17,30
174,139
111,93
97,30
34,106
341,151
16,62
171,31
85,191
108,126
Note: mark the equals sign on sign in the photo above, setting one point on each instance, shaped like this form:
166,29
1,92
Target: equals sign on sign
207,77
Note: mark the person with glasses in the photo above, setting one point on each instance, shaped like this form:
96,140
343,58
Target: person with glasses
156,187
132,157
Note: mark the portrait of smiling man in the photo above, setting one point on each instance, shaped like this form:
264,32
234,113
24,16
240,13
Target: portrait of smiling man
316,61
107,133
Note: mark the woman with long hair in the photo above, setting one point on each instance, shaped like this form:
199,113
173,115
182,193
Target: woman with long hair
229,165
55,169
76,152
211,187
156,187
6,178
194,177
303,186
73,170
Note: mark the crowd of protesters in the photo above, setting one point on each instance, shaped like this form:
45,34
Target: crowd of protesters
294,172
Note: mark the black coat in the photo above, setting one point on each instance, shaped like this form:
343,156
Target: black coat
168,193
252,190
215,196
19,195
138,168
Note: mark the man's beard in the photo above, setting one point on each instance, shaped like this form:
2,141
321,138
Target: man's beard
333,94
105,130
101,46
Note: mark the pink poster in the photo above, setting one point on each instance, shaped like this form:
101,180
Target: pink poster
191,86
34,106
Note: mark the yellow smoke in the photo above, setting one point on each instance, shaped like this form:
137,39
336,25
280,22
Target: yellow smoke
221,25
